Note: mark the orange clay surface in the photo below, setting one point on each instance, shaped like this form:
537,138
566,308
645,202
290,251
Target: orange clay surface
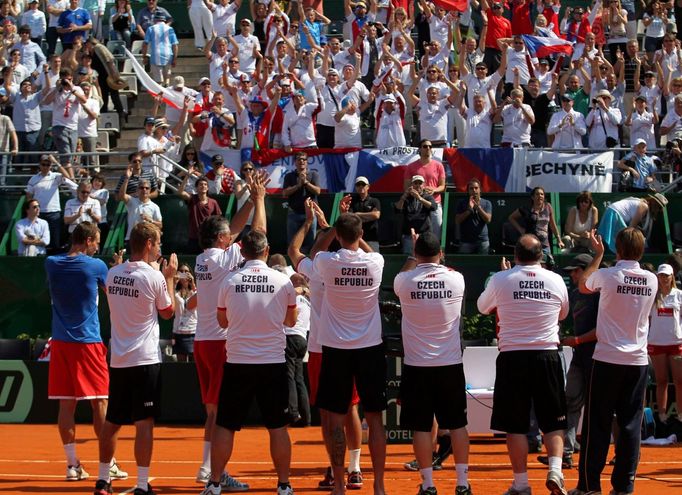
32,461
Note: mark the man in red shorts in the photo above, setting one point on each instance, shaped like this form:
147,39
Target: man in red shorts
78,365
219,258
353,427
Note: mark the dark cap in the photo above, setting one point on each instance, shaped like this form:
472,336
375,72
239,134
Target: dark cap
544,61
159,16
149,120
580,261
217,159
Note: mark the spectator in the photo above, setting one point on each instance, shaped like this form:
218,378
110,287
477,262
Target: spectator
66,99
473,214
202,22
356,17
247,47
218,135
122,21
433,174
87,127
390,130
9,143
136,174
479,121
603,121
98,67
655,22
222,180
32,56
541,101
202,103
314,22
369,211
161,40
200,207
34,18
433,112
185,321
253,125
640,166
26,118
148,146
82,208
18,72
480,82
217,59
330,92
337,57
567,127
517,119
498,27
581,220
347,133
44,186
640,213
74,22
652,88
642,122
54,9
101,194
416,206
298,130
570,84
671,125
140,208
224,14
537,219
145,17
299,185
32,232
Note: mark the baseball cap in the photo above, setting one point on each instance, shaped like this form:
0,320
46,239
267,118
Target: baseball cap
217,159
244,78
389,98
333,71
85,84
361,180
178,82
149,120
257,99
604,93
245,21
204,80
159,16
299,92
665,269
581,261
544,61
566,97
640,97
639,141
83,71
44,158
649,73
417,178
285,82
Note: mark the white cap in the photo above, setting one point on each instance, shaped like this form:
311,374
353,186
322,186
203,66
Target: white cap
361,179
389,98
203,80
665,269
639,141
178,82
416,178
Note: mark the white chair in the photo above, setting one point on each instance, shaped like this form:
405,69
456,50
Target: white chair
136,49
127,67
131,79
102,141
109,122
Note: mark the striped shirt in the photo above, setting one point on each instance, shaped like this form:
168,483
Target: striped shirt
160,39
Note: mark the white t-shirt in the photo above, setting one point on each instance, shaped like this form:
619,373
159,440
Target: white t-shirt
224,17
298,129
347,132
147,142
45,188
87,126
516,129
627,295
305,268
438,28
73,205
136,293
664,323
210,270
350,316
65,108
390,132
332,104
478,127
302,325
530,302
433,119
247,61
185,321
431,301
255,299
137,208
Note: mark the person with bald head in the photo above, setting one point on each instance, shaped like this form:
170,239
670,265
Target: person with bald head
529,301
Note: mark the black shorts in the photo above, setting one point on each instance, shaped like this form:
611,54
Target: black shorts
426,391
340,367
134,394
525,377
241,383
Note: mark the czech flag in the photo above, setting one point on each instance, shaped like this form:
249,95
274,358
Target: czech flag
459,5
541,46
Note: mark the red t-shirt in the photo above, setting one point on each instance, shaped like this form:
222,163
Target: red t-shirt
199,212
433,172
521,23
498,27
553,19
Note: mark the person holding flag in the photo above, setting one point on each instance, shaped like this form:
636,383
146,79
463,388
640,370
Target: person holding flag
253,125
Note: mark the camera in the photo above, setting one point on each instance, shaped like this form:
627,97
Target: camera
64,83
182,275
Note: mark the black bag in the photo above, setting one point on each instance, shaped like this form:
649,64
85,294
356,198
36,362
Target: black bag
611,142
625,182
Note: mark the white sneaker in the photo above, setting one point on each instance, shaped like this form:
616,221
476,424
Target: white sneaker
204,475
76,473
115,472
211,489
285,491
230,484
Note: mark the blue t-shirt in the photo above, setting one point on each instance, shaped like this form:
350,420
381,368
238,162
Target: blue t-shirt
73,282
315,28
79,17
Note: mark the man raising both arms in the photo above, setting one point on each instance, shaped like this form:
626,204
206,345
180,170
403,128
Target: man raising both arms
138,293
433,374
78,362
352,348
219,258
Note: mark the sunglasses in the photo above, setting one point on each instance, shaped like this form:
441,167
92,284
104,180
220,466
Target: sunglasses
144,187
247,170
426,146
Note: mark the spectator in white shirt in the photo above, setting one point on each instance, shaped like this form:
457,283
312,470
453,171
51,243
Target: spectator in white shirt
140,208
478,121
642,121
224,14
32,233
672,122
347,133
567,126
517,118
603,118
433,112
390,128
298,130
87,127
246,47
82,208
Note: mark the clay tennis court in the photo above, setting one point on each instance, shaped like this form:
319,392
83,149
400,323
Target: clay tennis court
32,461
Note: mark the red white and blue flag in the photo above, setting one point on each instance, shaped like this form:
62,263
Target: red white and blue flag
542,46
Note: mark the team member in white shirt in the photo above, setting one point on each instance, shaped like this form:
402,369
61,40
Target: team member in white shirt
619,373
517,119
390,127
665,340
433,380
530,301
219,258
255,301
350,333
138,293
353,427
567,126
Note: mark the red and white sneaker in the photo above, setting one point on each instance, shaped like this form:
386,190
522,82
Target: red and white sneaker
354,481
